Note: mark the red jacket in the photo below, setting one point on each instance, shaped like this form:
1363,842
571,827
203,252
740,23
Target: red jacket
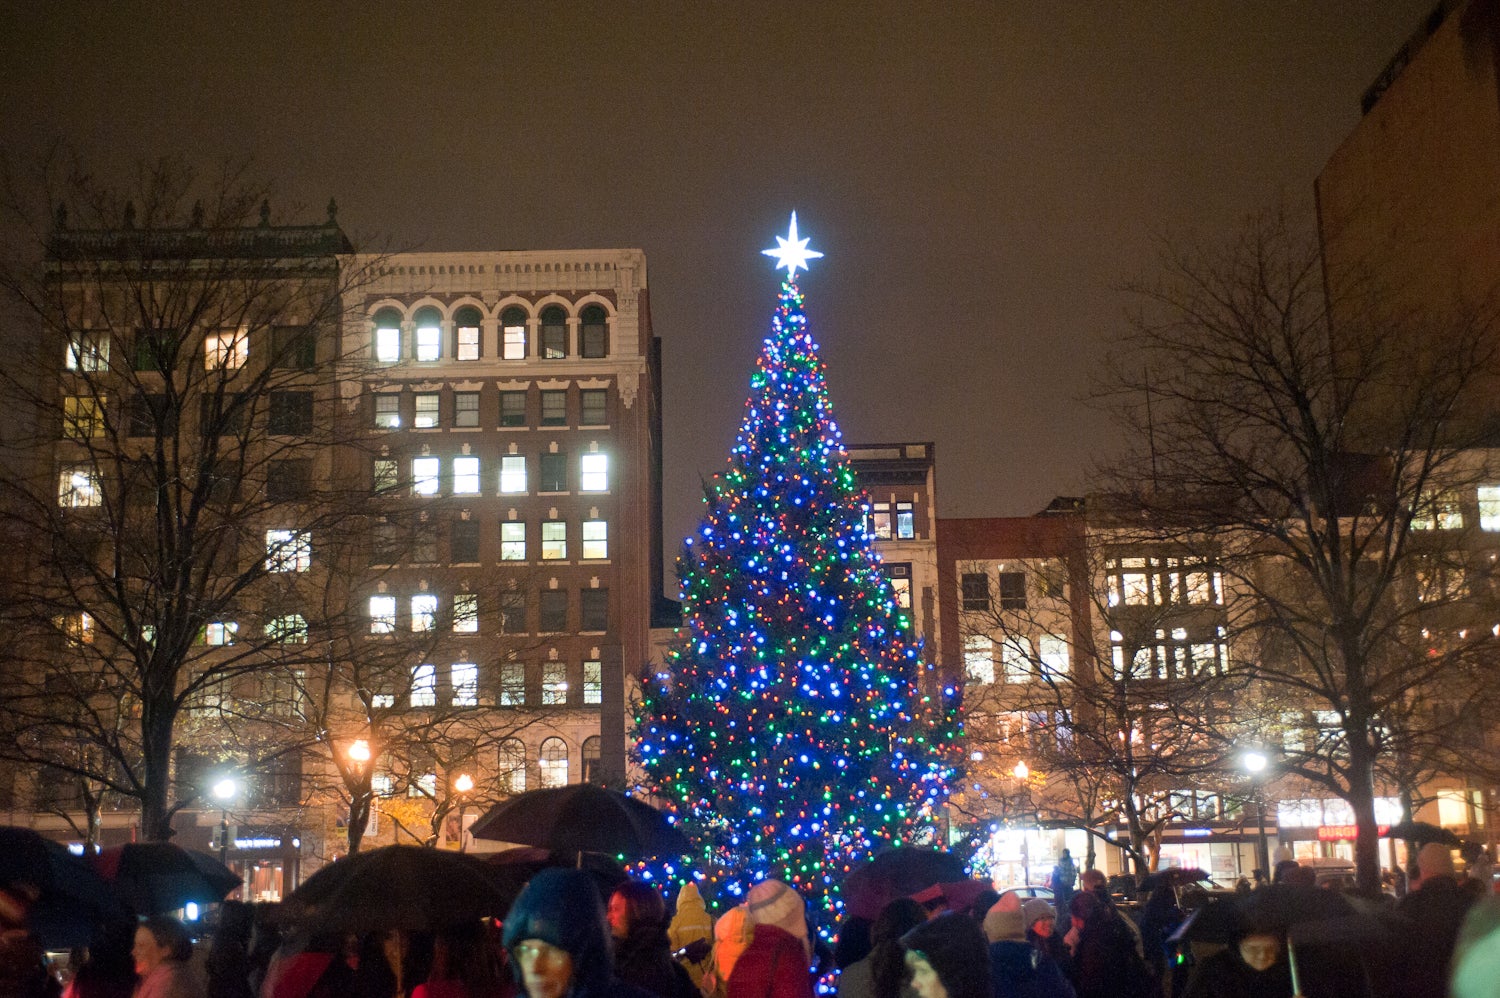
774,965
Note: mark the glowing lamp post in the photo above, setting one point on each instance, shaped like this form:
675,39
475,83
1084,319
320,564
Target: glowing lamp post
1255,763
225,791
463,785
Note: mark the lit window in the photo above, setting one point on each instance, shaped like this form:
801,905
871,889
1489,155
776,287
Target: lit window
595,539
880,520
512,684
593,682
288,550
512,541
465,681
594,473
1053,652
424,685
465,475
388,411
424,475
83,417
77,628
429,342
466,613
1015,659
512,474
906,521
384,474
1489,507
382,614
465,408
1437,511
289,629
554,684
554,540
88,351
423,611
468,342
78,485
379,701
511,770
427,410
388,344
513,334
979,659
229,348
220,632
900,576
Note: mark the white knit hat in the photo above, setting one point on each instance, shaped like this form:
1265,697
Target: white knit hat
772,902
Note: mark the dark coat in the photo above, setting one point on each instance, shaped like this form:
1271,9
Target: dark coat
1105,962
774,965
1225,975
644,958
562,907
1020,970
1433,914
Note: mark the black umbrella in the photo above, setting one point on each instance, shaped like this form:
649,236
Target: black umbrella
66,901
1276,906
154,877
582,818
897,873
398,887
1422,832
512,868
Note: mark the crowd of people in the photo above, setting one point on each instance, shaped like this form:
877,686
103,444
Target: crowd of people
561,939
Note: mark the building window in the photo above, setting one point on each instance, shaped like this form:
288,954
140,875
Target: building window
424,475
83,417
424,539
291,414
906,521
554,540
593,473
289,480
594,611
387,542
77,629
512,408
512,540
555,407
512,684
1053,653
151,415
512,474
151,346
553,607
1015,659
1129,582
289,629
593,341
424,607
466,335
384,474
466,613
388,336
465,408
463,540
293,348
227,348
979,659
382,614
465,476
1489,507
429,334
424,685
288,550
1437,511
593,682
900,576
88,351
220,632
78,485
880,520
464,680
428,410
595,539
510,769
388,411
554,684
590,758
512,612
513,334
554,473
976,591
594,404
552,763
1012,590
554,333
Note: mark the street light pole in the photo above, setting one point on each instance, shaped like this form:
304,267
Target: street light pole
463,784
1255,764
224,791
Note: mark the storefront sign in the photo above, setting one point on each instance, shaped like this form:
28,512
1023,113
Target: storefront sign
1341,833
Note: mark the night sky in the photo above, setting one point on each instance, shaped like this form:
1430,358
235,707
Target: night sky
981,180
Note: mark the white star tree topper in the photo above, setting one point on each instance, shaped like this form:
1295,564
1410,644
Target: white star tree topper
792,253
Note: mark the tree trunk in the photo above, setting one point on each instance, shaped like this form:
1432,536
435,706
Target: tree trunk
156,777
1362,800
360,803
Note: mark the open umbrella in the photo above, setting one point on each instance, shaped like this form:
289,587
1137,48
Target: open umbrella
513,868
1422,832
155,877
398,887
897,873
582,818
65,901
1174,876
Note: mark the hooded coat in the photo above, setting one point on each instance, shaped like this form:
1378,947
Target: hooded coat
691,924
562,907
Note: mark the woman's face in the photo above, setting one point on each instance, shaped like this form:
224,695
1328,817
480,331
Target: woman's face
1043,927
1260,951
619,916
146,952
924,980
546,970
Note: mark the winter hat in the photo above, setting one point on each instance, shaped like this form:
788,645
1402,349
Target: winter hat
1003,921
1034,910
956,950
771,902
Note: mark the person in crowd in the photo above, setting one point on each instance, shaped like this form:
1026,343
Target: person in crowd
948,958
1095,882
464,965
643,956
1017,968
265,939
1160,917
161,953
315,967
983,902
558,939
1064,878
854,941
777,963
882,974
691,933
1284,869
1040,919
1106,961
108,970
228,962
1253,966
1435,906
731,936
1479,869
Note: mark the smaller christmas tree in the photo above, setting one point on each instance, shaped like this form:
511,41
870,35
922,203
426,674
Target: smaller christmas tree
790,728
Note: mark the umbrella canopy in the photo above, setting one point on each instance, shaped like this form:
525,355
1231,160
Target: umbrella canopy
1278,906
155,877
1174,877
513,868
66,902
582,818
398,887
1422,832
956,895
897,873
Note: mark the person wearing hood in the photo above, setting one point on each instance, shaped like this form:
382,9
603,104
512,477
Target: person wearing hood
691,933
1017,968
558,940
948,958
731,936
1254,966
643,957
777,963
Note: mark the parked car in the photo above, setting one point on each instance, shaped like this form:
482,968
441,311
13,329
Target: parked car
1031,891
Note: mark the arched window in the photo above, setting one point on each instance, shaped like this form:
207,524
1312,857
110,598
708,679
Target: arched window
554,333
429,335
553,763
466,333
513,333
593,336
591,759
388,336
510,769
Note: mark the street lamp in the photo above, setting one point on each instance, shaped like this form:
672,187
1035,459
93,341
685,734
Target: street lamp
463,785
224,791
1255,763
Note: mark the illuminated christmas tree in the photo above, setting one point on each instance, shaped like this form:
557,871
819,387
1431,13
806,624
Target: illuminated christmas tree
790,727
